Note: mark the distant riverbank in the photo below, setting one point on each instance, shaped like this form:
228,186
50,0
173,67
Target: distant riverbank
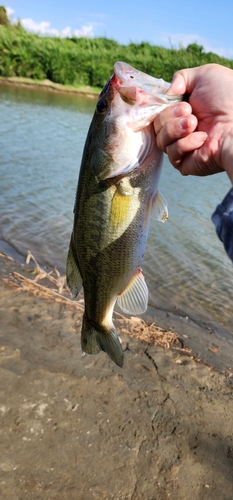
47,85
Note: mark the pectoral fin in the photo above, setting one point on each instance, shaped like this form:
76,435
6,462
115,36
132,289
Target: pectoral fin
73,276
134,299
159,208
156,209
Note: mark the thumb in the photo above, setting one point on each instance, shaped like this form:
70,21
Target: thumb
178,84
185,80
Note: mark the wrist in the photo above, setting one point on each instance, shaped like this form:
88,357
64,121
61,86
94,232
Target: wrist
227,155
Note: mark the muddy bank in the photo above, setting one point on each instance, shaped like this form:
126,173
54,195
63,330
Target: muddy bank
78,427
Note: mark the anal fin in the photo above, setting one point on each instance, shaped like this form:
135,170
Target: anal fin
134,299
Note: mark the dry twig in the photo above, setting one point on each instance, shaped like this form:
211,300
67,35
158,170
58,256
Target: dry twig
134,326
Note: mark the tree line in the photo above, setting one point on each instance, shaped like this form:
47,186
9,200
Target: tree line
88,61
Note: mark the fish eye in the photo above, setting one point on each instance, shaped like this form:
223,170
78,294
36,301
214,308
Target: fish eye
102,105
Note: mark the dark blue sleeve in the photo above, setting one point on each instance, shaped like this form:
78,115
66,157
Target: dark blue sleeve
223,221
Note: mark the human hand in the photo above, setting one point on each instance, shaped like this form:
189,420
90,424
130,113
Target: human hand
198,136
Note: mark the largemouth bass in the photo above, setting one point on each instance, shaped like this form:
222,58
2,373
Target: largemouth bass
116,196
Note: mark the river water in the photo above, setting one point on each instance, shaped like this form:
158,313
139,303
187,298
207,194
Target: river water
41,141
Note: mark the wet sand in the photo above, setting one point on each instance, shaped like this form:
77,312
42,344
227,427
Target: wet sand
78,427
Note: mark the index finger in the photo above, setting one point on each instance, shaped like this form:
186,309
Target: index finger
180,109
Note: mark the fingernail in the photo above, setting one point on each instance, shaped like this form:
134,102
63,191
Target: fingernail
176,112
183,123
202,136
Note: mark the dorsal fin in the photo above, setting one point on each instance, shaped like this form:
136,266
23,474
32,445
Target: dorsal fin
73,276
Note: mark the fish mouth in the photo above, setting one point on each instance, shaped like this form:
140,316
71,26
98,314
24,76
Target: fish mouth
130,76
135,100
134,85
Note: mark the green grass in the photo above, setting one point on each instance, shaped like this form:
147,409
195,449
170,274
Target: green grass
81,63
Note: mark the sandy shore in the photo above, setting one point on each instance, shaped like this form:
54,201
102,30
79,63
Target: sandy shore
48,86
78,427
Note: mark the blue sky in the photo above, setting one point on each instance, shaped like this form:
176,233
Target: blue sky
168,23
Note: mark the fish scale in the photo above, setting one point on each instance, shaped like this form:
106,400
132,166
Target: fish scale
116,196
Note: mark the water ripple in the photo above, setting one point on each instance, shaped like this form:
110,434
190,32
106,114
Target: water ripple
41,140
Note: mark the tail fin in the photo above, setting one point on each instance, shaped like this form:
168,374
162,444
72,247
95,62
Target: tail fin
94,341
